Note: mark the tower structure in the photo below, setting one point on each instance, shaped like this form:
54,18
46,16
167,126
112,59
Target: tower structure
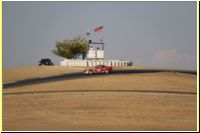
95,53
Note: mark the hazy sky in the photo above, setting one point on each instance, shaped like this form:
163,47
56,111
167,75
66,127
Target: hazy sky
162,34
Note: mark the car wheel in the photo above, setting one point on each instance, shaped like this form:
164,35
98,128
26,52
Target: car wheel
106,71
90,72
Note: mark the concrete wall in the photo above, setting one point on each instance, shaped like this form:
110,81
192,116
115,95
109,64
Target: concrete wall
93,63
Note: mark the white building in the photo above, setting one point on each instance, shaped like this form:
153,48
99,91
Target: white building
95,54
94,57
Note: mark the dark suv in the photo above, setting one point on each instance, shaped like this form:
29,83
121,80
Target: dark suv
45,62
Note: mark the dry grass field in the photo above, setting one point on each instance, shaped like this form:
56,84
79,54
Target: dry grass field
146,101
22,73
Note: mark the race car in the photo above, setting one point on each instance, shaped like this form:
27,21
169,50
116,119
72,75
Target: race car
98,69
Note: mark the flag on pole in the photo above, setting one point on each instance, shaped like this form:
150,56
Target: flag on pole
98,29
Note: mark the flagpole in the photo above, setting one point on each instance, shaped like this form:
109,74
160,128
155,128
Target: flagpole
100,29
102,38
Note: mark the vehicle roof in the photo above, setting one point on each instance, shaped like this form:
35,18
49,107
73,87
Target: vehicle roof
45,59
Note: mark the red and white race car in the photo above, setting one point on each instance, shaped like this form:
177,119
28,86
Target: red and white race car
98,69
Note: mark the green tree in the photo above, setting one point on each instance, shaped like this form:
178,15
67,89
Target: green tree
69,48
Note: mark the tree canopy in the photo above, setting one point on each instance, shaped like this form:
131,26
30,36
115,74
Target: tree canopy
70,48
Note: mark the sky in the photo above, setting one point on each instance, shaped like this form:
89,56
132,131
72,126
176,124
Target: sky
159,34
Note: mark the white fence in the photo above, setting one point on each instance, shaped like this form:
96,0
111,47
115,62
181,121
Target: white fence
93,63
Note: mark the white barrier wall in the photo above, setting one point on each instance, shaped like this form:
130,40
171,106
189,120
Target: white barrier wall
93,63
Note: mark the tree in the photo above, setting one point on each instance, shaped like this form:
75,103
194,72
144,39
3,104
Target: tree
70,48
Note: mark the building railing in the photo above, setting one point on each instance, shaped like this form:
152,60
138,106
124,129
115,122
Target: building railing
92,63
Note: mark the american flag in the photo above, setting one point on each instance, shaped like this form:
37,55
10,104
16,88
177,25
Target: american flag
98,29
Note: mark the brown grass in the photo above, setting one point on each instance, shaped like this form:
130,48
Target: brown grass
58,109
152,81
21,73
99,111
